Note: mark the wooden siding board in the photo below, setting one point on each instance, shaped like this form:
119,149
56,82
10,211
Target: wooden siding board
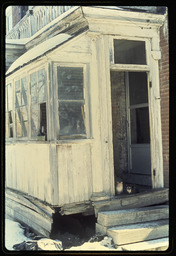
30,172
74,173
26,221
30,214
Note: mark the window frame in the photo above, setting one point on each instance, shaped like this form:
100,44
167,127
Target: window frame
129,67
36,69
85,99
9,125
19,78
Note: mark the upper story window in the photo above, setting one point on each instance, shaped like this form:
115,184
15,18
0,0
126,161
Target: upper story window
129,52
9,19
71,102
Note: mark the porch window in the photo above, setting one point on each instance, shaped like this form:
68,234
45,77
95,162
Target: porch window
9,112
71,103
129,52
21,111
38,103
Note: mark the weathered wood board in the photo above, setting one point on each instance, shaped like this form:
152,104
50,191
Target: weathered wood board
29,211
84,207
26,221
154,197
138,215
134,233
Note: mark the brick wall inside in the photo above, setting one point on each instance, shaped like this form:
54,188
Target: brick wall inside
119,125
164,93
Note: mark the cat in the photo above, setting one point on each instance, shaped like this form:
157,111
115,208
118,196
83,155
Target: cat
125,188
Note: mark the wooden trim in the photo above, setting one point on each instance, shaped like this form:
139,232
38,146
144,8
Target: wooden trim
129,67
53,159
155,119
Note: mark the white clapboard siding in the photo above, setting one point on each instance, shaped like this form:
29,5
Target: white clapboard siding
28,170
74,173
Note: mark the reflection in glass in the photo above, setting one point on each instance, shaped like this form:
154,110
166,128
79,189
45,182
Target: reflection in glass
71,118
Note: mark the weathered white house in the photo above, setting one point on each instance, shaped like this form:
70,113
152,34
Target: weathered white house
83,109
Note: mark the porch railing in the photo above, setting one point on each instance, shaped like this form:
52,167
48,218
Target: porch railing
35,19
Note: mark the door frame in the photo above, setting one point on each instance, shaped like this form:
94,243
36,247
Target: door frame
129,144
152,69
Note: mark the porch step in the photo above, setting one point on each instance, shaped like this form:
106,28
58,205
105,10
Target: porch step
133,233
132,216
161,244
122,202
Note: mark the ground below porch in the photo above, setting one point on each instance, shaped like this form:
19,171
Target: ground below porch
145,212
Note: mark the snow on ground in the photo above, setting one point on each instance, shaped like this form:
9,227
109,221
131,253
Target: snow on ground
14,234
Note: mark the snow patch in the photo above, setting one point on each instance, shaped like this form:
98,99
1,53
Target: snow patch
39,50
14,234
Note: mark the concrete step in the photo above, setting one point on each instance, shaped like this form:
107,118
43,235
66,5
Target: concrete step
161,244
132,216
140,232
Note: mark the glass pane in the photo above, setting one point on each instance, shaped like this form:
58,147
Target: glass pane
34,120
71,118
18,123
24,126
33,81
18,95
138,88
10,97
42,85
7,125
24,114
140,132
70,83
129,52
24,91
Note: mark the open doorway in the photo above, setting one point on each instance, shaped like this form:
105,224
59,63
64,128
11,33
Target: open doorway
131,130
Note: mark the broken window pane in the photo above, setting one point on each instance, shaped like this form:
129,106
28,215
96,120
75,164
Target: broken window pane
129,52
71,118
11,132
10,117
34,120
24,91
10,97
18,123
138,88
42,85
70,83
33,82
140,132
43,123
18,94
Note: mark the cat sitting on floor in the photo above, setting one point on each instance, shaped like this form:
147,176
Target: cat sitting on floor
124,188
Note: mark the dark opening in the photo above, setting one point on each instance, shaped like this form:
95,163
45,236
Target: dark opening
43,120
73,230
